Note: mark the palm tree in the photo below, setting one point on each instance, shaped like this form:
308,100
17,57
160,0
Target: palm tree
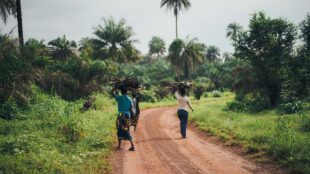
113,35
227,56
186,56
157,46
176,5
7,8
233,30
20,22
13,7
213,53
62,48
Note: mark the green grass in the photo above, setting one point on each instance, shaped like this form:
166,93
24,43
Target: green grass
55,137
280,136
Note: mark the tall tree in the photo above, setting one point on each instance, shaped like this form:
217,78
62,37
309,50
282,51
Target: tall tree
62,48
177,6
233,30
185,57
13,7
213,53
7,8
113,36
20,22
227,56
157,46
268,47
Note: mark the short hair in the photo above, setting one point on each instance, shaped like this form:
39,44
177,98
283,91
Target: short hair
123,90
182,92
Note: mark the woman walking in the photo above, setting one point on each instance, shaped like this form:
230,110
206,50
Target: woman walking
184,104
123,119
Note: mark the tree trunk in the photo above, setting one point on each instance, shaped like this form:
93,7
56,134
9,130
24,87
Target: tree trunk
20,22
176,25
176,12
186,71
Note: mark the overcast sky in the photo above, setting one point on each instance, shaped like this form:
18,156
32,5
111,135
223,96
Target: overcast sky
205,20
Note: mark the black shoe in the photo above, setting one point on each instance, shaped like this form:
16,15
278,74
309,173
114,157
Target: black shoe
132,148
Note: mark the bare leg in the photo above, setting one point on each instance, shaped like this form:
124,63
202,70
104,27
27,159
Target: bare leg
132,148
119,143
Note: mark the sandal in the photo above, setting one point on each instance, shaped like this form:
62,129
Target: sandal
132,148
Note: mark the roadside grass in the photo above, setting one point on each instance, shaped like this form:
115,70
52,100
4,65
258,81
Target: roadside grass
53,136
280,136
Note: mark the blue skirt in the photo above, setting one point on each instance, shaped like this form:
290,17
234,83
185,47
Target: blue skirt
123,124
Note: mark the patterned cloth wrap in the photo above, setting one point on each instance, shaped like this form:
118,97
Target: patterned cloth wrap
122,124
134,121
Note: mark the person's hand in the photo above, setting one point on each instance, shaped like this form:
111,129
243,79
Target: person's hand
192,110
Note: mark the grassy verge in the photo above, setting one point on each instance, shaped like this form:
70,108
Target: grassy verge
285,137
53,136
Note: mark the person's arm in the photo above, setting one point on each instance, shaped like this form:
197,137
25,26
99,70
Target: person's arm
113,93
189,104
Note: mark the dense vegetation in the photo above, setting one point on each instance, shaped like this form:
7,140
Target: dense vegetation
284,138
43,86
276,69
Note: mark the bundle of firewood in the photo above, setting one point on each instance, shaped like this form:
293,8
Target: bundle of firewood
131,84
174,86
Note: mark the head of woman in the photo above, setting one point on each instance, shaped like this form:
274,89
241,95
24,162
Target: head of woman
182,92
123,90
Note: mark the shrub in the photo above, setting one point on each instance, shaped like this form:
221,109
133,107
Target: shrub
252,103
216,93
290,148
161,93
235,106
290,107
205,95
71,127
257,104
198,91
9,109
40,62
147,96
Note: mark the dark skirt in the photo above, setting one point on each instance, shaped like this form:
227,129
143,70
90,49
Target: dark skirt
123,124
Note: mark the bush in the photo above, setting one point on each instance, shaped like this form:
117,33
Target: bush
147,97
9,109
198,91
257,104
161,93
235,106
216,94
290,107
205,95
252,103
71,128
292,149
41,62
14,79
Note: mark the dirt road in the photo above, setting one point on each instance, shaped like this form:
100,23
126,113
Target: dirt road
160,149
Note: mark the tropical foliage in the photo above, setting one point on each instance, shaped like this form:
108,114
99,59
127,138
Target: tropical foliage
62,48
176,6
186,56
157,46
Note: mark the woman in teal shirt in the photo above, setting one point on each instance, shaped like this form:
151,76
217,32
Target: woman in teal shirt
123,120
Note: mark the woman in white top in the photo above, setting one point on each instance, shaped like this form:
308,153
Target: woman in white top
184,104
